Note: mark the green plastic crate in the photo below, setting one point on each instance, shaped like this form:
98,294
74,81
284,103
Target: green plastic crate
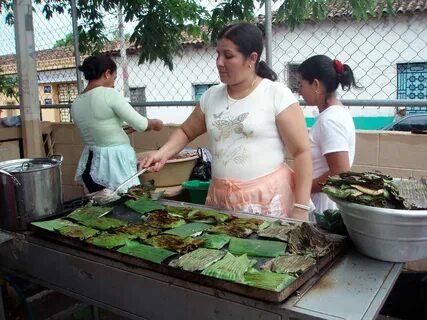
198,190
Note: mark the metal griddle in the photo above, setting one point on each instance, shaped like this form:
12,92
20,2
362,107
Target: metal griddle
123,213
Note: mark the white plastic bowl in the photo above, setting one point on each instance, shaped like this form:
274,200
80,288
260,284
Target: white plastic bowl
386,234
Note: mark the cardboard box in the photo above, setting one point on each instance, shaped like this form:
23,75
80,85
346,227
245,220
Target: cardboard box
9,150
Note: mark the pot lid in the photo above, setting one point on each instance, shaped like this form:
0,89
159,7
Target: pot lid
28,165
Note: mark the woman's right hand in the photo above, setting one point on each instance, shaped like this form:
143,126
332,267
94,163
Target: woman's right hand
154,159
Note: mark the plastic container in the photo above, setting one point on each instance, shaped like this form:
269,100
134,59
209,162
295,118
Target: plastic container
198,190
386,234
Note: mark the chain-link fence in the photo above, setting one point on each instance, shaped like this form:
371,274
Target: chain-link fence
387,54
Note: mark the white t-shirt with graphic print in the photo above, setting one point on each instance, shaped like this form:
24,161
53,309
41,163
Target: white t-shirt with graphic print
244,140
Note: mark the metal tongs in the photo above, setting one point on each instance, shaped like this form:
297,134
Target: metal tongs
106,196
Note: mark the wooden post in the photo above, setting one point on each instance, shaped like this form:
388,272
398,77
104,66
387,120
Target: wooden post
27,77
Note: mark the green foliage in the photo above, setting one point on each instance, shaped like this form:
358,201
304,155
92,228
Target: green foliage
64,42
162,25
8,86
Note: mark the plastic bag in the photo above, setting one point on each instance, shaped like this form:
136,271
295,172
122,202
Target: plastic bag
202,169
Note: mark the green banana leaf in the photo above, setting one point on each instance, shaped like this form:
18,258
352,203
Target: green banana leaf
268,280
257,248
103,223
78,232
144,205
109,240
163,220
145,252
197,260
215,241
276,231
175,243
140,231
251,223
51,225
87,212
189,229
230,268
290,263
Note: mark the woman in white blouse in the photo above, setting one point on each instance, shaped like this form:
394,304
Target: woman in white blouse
249,119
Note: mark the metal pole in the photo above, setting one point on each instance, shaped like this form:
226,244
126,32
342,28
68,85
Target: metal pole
76,45
123,56
27,77
268,28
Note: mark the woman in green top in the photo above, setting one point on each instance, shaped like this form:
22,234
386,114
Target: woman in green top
99,112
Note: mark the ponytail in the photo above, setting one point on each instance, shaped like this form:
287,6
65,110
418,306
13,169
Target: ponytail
264,71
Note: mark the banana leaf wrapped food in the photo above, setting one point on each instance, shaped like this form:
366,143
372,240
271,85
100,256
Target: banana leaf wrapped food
144,205
256,248
142,251
103,223
77,232
199,215
87,212
277,230
198,259
162,220
230,229
110,240
175,243
215,241
250,223
307,240
268,280
368,188
140,231
51,225
230,267
189,229
289,264
141,190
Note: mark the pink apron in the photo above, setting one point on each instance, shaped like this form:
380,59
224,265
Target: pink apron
270,195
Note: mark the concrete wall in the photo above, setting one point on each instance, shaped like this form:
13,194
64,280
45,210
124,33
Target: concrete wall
398,154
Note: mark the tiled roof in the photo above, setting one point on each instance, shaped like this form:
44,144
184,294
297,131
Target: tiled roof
339,10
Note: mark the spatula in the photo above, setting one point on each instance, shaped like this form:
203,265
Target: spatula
106,195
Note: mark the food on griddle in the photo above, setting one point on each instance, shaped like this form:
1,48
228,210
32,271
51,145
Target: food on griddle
276,230
268,280
234,230
251,223
189,229
215,241
77,231
144,205
175,243
197,260
51,225
230,267
110,240
140,231
199,215
256,248
368,188
141,190
142,251
161,219
103,223
87,212
307,240
289,263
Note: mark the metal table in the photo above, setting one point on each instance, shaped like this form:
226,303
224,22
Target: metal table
354,288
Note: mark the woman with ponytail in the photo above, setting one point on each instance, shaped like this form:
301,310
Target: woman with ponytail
249,119
333,135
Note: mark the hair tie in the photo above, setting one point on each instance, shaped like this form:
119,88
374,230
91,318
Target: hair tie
338,66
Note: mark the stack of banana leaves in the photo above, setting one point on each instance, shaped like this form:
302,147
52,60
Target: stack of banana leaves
377,190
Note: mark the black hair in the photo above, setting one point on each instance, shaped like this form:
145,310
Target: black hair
249,38
94,66
330,72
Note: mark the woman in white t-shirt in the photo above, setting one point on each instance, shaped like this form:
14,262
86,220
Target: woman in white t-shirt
249,119
332,136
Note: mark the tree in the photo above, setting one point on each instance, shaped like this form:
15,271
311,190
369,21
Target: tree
8,86
163,24
64,42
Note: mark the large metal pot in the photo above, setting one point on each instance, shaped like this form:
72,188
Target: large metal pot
386,234
30,189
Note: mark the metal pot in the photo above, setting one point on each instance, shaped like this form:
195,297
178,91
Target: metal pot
30,189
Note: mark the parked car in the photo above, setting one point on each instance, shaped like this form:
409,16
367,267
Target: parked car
412,122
